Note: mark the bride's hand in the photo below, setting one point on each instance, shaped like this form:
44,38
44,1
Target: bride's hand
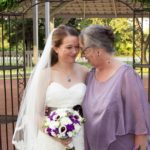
47,111
64,142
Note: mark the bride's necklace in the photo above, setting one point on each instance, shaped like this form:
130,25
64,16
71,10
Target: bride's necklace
68,78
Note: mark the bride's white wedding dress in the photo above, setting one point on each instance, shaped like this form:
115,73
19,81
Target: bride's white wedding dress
58,96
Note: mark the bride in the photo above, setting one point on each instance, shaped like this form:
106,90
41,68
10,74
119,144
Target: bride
56,82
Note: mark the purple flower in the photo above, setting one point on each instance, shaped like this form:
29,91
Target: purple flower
52,115
76,117
63,123
74,120
56,130
49,131
70,127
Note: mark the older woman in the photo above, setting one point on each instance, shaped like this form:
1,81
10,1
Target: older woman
115,104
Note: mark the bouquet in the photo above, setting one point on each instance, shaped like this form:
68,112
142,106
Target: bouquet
63,123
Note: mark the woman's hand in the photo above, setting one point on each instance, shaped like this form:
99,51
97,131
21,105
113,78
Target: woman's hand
141,140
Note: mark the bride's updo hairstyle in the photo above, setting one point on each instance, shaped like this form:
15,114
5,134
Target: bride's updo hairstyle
57,39
99,37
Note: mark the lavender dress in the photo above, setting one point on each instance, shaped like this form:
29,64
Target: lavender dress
115,110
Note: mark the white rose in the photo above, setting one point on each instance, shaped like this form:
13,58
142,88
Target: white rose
77,127
63,114
62,135
47,121
70,134
53,124
65,121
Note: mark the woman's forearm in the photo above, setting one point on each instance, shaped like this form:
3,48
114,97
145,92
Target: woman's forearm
141,141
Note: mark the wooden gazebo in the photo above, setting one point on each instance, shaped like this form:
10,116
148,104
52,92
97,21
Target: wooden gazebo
83,8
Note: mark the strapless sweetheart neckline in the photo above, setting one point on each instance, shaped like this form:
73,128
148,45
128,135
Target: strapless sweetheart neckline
68,88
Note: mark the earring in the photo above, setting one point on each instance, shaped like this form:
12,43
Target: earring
108,61
98,53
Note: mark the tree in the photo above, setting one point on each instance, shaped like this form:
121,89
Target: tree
145,5
8,4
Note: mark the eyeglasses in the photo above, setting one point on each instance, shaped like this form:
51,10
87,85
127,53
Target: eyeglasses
84,51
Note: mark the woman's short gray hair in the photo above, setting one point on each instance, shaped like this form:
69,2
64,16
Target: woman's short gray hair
99,37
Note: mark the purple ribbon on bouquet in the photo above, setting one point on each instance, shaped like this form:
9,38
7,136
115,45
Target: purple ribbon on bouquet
78,108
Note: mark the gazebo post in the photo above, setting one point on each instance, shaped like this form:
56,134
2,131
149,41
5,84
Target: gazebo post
35,31
47,18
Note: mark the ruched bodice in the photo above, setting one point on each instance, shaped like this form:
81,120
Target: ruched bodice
59,96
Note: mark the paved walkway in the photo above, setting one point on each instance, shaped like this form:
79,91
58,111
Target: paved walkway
12,105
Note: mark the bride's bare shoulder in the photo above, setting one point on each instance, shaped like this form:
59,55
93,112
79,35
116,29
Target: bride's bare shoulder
82,69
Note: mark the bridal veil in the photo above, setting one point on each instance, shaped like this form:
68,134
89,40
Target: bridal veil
32,104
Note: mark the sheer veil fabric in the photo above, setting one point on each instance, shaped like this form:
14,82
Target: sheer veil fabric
33,102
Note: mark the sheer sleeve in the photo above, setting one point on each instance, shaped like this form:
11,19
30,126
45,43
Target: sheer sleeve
136,109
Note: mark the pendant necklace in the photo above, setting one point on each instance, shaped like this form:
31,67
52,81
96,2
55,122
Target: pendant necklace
68,78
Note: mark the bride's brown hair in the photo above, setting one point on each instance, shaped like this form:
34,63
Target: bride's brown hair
57,38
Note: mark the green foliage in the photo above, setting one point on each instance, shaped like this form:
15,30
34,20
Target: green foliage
86,64
58,21
8,4
142,1
41,34
83,23
73,22
145,2
123,31
122,28
6,43
16,34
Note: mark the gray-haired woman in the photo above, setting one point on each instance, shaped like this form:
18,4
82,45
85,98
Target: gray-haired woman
115,104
